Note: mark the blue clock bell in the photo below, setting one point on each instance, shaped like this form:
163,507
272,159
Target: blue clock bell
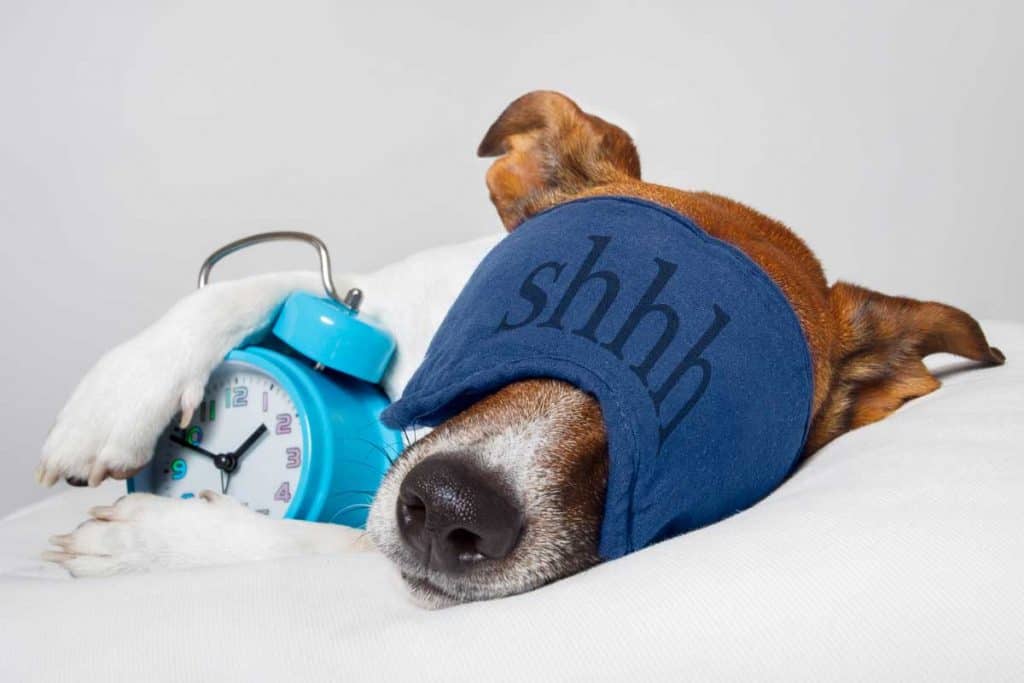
290,427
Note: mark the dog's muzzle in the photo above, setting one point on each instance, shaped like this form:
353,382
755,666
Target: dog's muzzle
455,515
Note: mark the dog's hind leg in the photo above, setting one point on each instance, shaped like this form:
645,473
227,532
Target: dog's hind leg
142,532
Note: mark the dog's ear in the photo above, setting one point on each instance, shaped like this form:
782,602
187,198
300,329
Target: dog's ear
551,150
881,341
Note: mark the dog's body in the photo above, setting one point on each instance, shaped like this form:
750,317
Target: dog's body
538,446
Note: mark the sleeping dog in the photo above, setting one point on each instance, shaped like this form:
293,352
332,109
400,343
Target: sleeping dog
513,487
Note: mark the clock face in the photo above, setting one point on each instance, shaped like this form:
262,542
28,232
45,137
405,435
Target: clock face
244,440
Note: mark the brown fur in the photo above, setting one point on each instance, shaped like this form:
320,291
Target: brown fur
866,347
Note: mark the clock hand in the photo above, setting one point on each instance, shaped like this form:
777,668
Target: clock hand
184,442
252,439
225,475
226,462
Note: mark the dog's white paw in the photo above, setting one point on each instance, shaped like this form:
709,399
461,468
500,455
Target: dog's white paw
111,423
142,532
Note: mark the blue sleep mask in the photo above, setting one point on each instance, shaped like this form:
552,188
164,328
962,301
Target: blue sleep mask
695,356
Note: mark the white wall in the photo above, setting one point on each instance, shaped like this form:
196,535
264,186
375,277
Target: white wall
136,136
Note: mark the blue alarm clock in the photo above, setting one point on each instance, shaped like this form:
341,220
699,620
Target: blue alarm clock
289,427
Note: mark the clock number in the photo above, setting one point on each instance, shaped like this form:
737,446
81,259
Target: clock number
178,469
294,458
241,397
284,424
284,492
208,416
266,401
194,434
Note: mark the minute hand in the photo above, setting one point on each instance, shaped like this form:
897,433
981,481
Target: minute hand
253,438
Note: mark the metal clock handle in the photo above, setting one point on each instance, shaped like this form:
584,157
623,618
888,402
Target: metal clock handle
352,298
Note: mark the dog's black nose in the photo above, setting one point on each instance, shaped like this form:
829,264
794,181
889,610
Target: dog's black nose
456,514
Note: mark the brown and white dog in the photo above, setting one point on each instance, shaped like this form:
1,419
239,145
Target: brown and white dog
530,460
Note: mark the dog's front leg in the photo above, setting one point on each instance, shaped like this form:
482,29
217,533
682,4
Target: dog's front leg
111,423
142,532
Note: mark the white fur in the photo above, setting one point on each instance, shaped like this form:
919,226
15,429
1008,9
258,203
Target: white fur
514,444
142,532
165,368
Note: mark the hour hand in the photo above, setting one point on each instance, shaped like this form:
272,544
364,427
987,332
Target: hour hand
181,441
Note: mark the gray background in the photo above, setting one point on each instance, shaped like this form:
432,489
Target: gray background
135,137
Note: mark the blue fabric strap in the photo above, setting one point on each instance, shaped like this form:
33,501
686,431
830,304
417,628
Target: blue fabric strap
695,356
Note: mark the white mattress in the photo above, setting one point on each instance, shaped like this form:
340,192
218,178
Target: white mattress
897,552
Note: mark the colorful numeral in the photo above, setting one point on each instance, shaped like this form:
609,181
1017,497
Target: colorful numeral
284,424
241,397
194,435
294,458
266,401
179,468
284,492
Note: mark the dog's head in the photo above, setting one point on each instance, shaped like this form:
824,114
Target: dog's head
508,495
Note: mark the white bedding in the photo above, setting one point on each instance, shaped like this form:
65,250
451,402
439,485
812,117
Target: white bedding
896,552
